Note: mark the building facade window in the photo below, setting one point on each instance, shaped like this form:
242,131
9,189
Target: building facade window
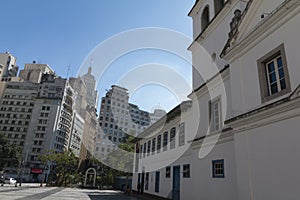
144,150
147,181
215,115
157,180
172,137
273,74
158,147
141,151
165,142
153,145
218,168
205,18
218,4
181,141
148,148
186,171
168,172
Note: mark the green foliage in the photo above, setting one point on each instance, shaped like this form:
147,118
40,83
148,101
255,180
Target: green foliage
105,175
128,145
64,164
122,158
10,154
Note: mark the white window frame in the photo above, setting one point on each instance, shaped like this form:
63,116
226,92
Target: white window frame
181,135
215,120
263,72
276,71
173,138
218,168
186,171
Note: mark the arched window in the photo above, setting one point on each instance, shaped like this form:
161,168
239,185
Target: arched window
205,18
219,4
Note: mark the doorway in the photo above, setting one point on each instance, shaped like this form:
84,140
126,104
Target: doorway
176,183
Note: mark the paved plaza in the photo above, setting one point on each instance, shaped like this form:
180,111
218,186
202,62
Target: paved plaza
34,192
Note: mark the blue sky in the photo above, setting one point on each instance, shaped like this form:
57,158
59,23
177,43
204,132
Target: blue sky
62,33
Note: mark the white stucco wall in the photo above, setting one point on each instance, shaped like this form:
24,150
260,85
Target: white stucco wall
206,187
197,16
201,111
212,41
245,85
260,162
264,8
158,161
267,161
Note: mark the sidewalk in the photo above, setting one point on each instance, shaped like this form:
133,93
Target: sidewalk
145,196
31,185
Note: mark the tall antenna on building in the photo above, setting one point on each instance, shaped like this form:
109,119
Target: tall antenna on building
91,65
91,62
68,71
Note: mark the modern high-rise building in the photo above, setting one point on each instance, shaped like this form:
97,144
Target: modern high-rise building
16,105
40,111
90,82
118,119
33,72
80,91
89,134
76,135
51,122
85,105
156,115
8,66
37,114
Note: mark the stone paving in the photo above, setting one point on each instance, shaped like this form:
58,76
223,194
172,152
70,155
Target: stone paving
35,192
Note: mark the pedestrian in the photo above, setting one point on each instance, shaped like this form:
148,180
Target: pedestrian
139,187
127,190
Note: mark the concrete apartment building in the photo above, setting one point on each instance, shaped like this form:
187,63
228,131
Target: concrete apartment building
85,107
87,148
8,66
36,110
114,121
40,111
76,135
156,115
91,92
119,118
246,142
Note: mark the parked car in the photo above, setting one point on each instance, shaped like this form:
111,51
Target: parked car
10,181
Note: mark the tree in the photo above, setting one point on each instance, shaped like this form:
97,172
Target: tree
128,146
64,164
122,159
10,154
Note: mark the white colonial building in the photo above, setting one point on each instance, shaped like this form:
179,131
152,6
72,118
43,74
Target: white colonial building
241,132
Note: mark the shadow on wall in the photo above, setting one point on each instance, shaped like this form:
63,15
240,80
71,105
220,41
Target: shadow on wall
170,195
